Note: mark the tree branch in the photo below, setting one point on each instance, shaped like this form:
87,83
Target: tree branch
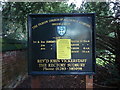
104,59
112,17
106,43
106,47
112,41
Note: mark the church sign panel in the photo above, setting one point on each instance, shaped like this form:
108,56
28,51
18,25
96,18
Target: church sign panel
61,44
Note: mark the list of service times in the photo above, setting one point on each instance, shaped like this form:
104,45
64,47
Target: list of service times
77,46
65,63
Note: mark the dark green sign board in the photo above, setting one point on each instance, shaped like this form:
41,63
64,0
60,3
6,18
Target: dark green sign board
61,44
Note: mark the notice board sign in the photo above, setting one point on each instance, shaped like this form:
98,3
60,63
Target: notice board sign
61,44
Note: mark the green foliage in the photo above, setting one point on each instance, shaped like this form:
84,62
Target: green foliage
107,40
114,77
12,44
9,47
105,33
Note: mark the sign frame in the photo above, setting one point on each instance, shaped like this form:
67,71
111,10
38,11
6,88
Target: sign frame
30,72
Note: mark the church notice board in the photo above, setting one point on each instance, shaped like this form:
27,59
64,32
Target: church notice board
61,44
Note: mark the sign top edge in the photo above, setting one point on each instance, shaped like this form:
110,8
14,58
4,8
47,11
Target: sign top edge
63,14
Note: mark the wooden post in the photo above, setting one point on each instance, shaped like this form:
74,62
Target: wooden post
89,82
35,82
